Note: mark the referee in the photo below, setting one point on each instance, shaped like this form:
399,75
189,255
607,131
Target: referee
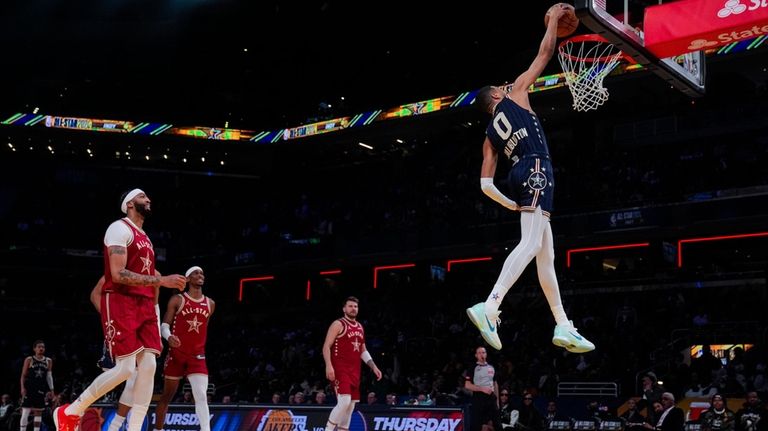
481,380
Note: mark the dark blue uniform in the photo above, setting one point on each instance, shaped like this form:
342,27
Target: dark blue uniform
36,384
517,135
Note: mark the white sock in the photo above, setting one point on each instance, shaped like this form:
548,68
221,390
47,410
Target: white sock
116,423
532,225
142,389
36,422
102,384
545,267
199,383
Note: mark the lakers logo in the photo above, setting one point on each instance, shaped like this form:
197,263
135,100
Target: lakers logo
282,420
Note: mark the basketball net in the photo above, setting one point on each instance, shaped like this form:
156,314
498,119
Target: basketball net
586,61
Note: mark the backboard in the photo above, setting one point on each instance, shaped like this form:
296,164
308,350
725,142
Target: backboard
621,23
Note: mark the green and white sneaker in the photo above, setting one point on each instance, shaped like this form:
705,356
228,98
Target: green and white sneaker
488,325
567,337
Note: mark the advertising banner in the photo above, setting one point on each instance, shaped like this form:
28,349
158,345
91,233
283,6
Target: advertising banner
290,418
692,25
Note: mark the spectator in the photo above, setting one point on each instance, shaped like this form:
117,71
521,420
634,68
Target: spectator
391,399
672,417
718,417
652,391
6,411
632,418
320,398
530,419
372,398
753,415
508,414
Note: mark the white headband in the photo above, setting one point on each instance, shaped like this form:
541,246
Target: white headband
132,194
191,270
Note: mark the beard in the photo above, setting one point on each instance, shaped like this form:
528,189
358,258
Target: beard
143,210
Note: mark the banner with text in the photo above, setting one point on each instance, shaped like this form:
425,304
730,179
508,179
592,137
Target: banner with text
692,25
291,418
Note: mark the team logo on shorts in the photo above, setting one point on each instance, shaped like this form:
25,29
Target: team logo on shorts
537,181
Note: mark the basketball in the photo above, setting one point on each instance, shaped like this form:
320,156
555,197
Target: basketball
568,22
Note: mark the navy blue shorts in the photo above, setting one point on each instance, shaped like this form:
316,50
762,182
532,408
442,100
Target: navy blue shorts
532,184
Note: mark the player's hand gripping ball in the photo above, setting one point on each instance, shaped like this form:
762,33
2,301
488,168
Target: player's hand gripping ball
567,24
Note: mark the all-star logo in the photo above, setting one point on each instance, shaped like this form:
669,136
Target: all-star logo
732,7
537,181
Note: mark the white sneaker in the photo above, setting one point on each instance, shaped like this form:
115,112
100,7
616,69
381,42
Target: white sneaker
567,337
488,325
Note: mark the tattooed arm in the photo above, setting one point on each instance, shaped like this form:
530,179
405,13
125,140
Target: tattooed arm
118,259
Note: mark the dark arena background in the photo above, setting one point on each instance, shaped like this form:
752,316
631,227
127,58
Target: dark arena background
304,153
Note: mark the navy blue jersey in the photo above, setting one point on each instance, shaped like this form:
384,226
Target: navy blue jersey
516,131
36,384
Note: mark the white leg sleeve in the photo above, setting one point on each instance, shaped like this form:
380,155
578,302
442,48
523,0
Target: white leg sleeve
545,266
102,384
126,398
199,383
344,425
24,418
142,390
532,225
337,414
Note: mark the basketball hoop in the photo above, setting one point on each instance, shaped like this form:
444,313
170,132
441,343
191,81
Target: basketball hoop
586,59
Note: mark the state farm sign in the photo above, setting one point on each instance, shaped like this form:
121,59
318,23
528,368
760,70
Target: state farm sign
691,25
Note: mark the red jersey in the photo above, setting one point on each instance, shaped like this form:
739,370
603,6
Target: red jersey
191,324
348,345
141,260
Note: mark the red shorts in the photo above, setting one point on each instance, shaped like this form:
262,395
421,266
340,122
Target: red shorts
179,364
130,324
347,382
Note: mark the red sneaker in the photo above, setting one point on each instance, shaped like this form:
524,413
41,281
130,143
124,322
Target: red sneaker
63,421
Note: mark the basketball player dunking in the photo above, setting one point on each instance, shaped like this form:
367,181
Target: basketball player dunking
343,349
185,326
516,134
127,314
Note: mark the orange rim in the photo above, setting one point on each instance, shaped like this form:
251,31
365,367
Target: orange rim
596,38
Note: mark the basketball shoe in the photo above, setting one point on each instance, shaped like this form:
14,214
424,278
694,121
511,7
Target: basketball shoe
567,337
488,325
63,421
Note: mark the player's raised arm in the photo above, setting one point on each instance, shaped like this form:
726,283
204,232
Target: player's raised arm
519,91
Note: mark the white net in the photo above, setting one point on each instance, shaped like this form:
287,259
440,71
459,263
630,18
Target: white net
586,63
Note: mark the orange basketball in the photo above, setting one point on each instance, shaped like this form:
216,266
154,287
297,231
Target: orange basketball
568,22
